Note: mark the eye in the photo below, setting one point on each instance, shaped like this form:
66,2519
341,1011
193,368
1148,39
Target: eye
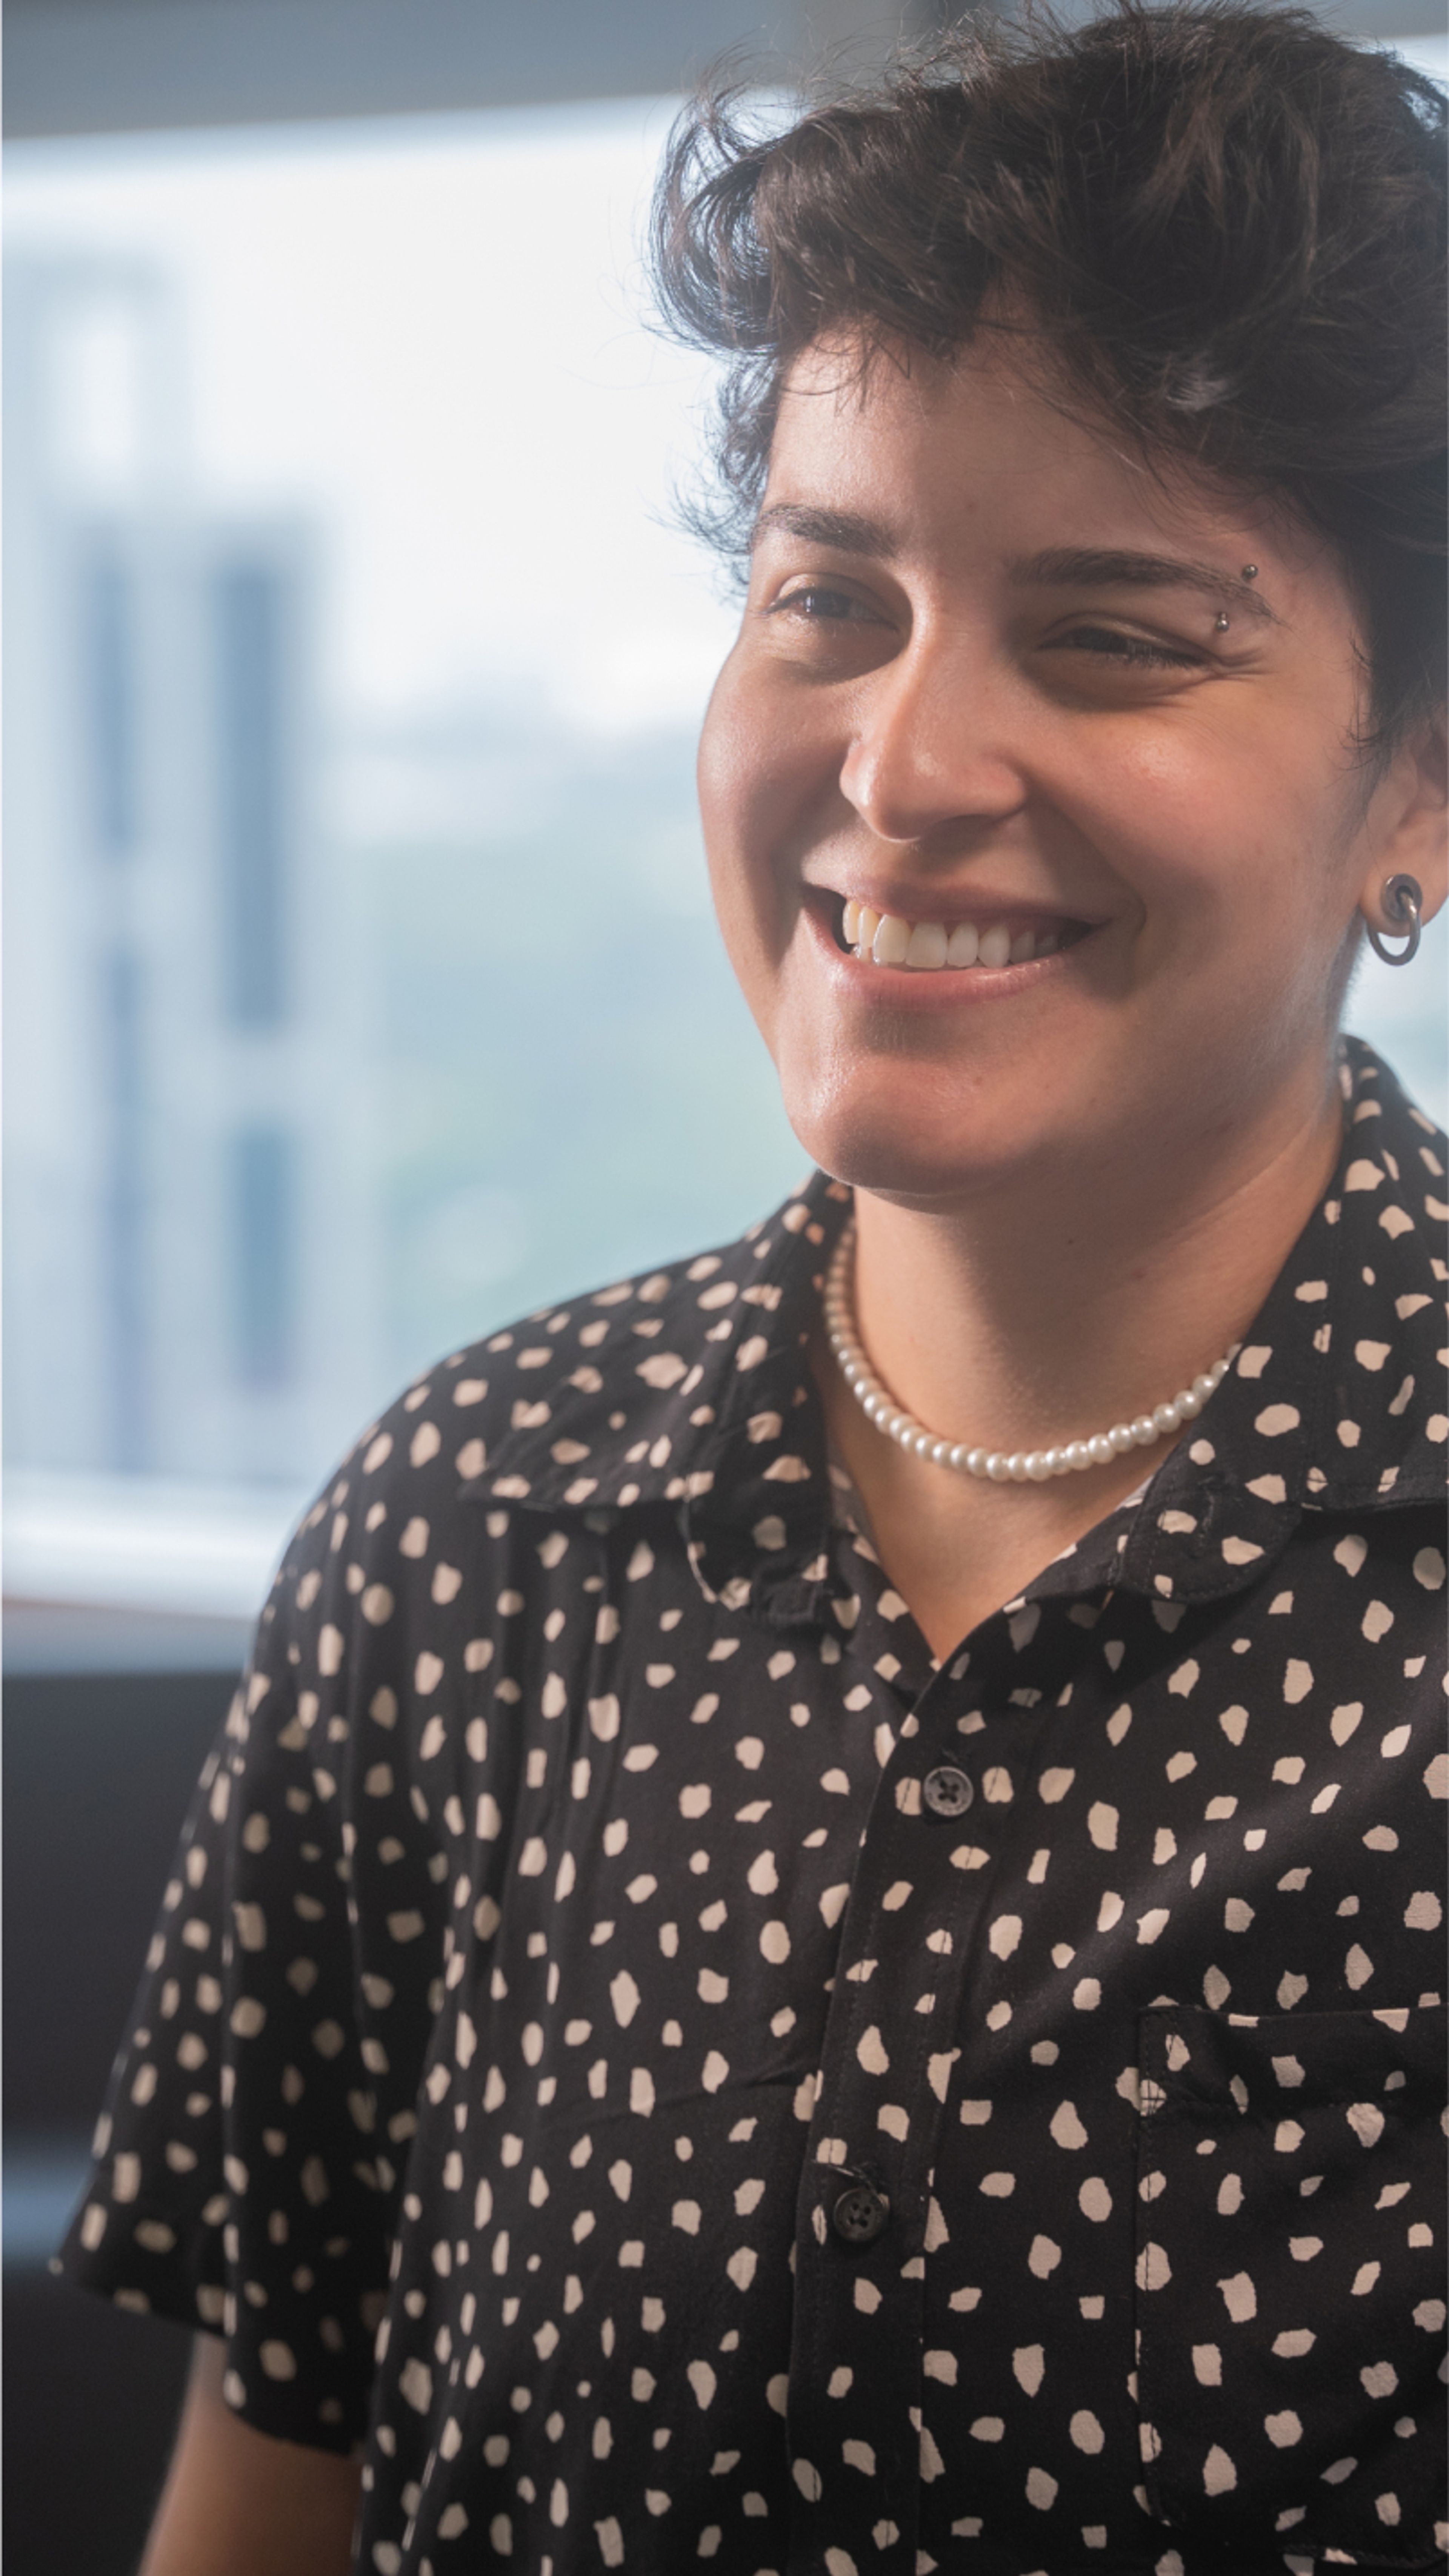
818,603
1138,652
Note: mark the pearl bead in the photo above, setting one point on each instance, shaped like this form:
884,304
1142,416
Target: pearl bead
1016,1466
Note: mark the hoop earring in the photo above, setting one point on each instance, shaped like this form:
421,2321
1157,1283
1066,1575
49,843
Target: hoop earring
1402,898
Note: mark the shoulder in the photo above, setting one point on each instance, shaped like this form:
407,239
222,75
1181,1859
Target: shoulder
584,1402
520,1396
603,1400
1374,1262
1390,1140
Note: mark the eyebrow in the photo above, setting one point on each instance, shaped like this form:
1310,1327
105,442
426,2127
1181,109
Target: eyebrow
842,530
1057,567
1122,568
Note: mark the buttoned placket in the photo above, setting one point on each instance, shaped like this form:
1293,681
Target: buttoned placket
960,1763
947,1803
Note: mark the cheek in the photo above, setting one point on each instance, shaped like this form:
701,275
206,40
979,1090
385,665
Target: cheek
1212,832
1232,848
724,777
751,795
1195,792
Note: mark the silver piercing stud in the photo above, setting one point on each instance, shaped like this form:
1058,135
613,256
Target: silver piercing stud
1250,572
1403,899
1223,622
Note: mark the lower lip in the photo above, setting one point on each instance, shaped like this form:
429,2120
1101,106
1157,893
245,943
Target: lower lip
940,988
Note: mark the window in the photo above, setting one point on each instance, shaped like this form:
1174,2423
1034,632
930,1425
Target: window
363,987
351,768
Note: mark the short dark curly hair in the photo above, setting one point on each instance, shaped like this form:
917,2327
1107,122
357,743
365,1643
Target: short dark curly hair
1228,223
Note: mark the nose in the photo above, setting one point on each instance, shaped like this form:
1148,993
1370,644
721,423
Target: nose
931,755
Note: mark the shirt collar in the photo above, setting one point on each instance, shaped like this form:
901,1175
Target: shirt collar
695,1392
1336,1399
692,1388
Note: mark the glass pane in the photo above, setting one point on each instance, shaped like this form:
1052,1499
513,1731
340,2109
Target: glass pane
364,988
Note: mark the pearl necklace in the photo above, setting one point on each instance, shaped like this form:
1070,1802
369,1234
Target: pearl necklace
1017,1467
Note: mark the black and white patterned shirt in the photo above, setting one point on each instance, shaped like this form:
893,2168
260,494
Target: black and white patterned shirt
686,2078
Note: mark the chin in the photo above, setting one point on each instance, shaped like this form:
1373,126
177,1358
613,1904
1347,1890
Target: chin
901,1142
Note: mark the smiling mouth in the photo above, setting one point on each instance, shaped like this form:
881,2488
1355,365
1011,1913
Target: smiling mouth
928,947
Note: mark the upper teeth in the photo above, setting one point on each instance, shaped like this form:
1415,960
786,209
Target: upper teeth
890,941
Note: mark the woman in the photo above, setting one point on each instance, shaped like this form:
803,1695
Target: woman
806,1948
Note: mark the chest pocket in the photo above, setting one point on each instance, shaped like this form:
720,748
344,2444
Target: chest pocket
1290,2280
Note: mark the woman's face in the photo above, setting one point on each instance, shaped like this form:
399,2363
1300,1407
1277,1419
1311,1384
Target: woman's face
982,684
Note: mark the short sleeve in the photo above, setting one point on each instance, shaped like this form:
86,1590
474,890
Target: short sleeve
249,2156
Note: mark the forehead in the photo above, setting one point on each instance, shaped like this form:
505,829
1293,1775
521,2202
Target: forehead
991,447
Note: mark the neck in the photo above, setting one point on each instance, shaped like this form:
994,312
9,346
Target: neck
1044,1310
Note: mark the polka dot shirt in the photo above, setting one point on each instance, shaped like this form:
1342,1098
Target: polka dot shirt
678,2076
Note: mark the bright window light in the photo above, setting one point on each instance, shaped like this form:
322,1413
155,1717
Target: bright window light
362,986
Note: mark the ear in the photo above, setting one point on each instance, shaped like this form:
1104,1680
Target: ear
1413,820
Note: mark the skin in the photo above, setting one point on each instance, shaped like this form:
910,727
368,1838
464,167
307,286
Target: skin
238,2503
1075,1180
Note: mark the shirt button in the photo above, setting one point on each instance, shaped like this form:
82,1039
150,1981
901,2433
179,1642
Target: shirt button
947,1791
860,2214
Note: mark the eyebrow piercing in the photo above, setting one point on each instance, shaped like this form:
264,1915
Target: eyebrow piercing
1250,572
1223,621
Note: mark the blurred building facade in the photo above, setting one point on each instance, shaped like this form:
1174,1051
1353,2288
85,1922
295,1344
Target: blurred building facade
185,1285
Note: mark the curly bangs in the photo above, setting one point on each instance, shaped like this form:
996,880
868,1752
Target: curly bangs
1228,223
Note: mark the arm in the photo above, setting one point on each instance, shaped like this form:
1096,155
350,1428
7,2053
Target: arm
238,2503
